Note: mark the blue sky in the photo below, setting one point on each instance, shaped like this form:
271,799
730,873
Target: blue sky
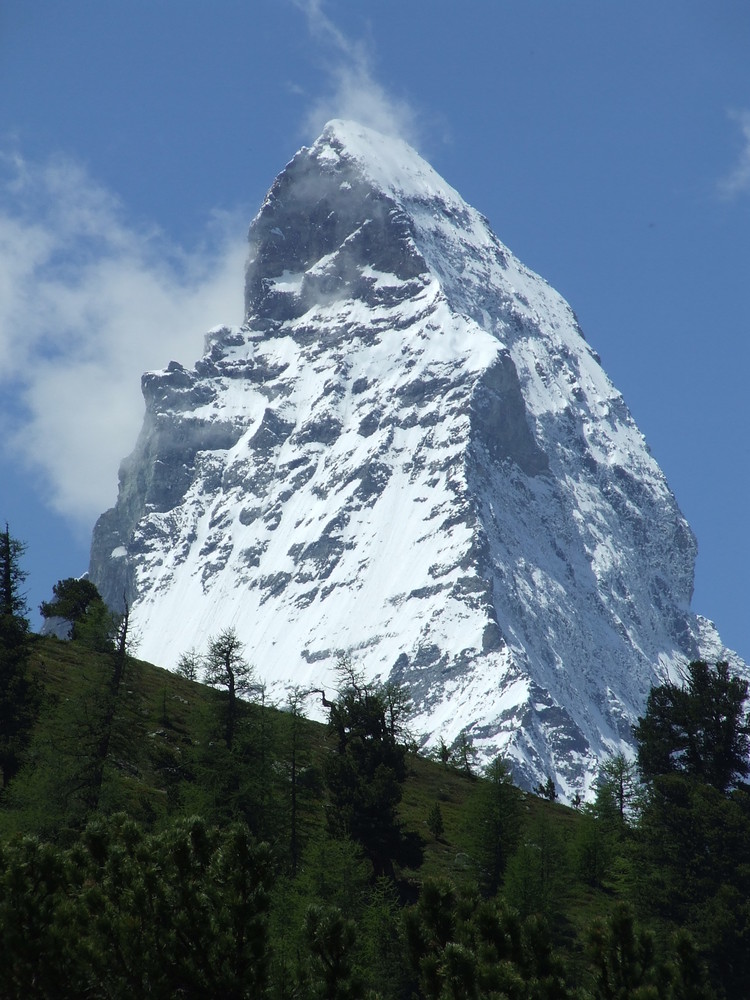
608,144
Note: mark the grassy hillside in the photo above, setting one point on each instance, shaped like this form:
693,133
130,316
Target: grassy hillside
165,730
161,724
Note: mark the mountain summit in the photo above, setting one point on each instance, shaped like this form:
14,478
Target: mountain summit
409,453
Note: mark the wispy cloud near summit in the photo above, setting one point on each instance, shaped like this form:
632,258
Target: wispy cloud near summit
353,90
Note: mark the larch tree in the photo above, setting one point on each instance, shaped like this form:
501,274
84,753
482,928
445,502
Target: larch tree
226,668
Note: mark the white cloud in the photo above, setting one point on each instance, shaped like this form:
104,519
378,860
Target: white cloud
738,181
88,303
353,92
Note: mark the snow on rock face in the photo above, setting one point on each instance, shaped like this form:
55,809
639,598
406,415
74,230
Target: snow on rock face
409,452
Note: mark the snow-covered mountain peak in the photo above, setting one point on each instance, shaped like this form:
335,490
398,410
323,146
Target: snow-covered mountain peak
391,164
408,452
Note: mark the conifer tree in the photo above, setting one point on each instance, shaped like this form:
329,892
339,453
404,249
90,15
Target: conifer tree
494,820
19,698
72,601
701,729
104,725
624,958
693,843
366,770
304,781
547,790
38,952
227,668
463,753
189,665
537,875
12,599
442,752
331,941
180,913
462,947
618,788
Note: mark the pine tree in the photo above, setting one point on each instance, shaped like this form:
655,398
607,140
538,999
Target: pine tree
19,697
180,913
494,821
331,941
12,599
463,947
701,729
41,946
693,843
72,601
227,668
366,770
624,959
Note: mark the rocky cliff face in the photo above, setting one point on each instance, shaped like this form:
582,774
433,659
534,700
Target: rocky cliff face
408,452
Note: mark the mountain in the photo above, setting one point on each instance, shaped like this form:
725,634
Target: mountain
408,452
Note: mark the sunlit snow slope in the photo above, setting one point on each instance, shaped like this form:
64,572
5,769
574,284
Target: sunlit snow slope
410,453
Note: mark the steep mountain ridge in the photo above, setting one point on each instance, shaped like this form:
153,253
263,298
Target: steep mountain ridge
408,451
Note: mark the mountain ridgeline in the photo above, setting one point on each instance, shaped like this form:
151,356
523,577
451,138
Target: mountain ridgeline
408,454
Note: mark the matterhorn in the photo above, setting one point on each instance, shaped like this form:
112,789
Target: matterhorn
409,455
